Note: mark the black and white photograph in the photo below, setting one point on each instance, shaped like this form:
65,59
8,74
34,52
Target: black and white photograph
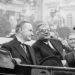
37,37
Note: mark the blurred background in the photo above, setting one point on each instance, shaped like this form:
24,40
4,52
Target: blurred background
59,14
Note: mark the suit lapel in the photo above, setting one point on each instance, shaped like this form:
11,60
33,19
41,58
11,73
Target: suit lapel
57,46
32,55
44,46
20,50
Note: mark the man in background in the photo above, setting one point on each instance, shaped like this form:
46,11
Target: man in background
70,57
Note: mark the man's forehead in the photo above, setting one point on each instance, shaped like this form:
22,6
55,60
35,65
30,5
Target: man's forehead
44,27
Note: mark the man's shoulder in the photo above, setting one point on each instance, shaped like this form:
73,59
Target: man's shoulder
37,42
8,43
5,40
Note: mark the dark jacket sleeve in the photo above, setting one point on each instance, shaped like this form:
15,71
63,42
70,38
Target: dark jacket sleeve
37,54
7,48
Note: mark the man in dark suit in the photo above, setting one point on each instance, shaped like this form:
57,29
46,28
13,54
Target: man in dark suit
45,46
22,53
70,57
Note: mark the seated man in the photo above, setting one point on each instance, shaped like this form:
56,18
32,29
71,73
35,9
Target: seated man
70,57
18,48
45,46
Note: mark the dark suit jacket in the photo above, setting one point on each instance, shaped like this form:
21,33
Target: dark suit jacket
17,51
70,57
42,50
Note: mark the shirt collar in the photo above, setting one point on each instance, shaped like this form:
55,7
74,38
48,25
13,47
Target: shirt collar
46,42
19,39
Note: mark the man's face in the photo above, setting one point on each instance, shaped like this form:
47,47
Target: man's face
27,31
71,41
44,32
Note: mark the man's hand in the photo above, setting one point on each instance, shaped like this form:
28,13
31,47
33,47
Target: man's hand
18,61
64,62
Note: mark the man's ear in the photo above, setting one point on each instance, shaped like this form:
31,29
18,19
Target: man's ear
20,29
37,32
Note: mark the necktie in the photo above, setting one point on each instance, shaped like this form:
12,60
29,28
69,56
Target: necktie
24,47
27,54
49,43
25,50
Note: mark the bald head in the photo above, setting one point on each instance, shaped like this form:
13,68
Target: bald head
20,25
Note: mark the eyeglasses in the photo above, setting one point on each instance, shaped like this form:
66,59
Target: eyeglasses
44,30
